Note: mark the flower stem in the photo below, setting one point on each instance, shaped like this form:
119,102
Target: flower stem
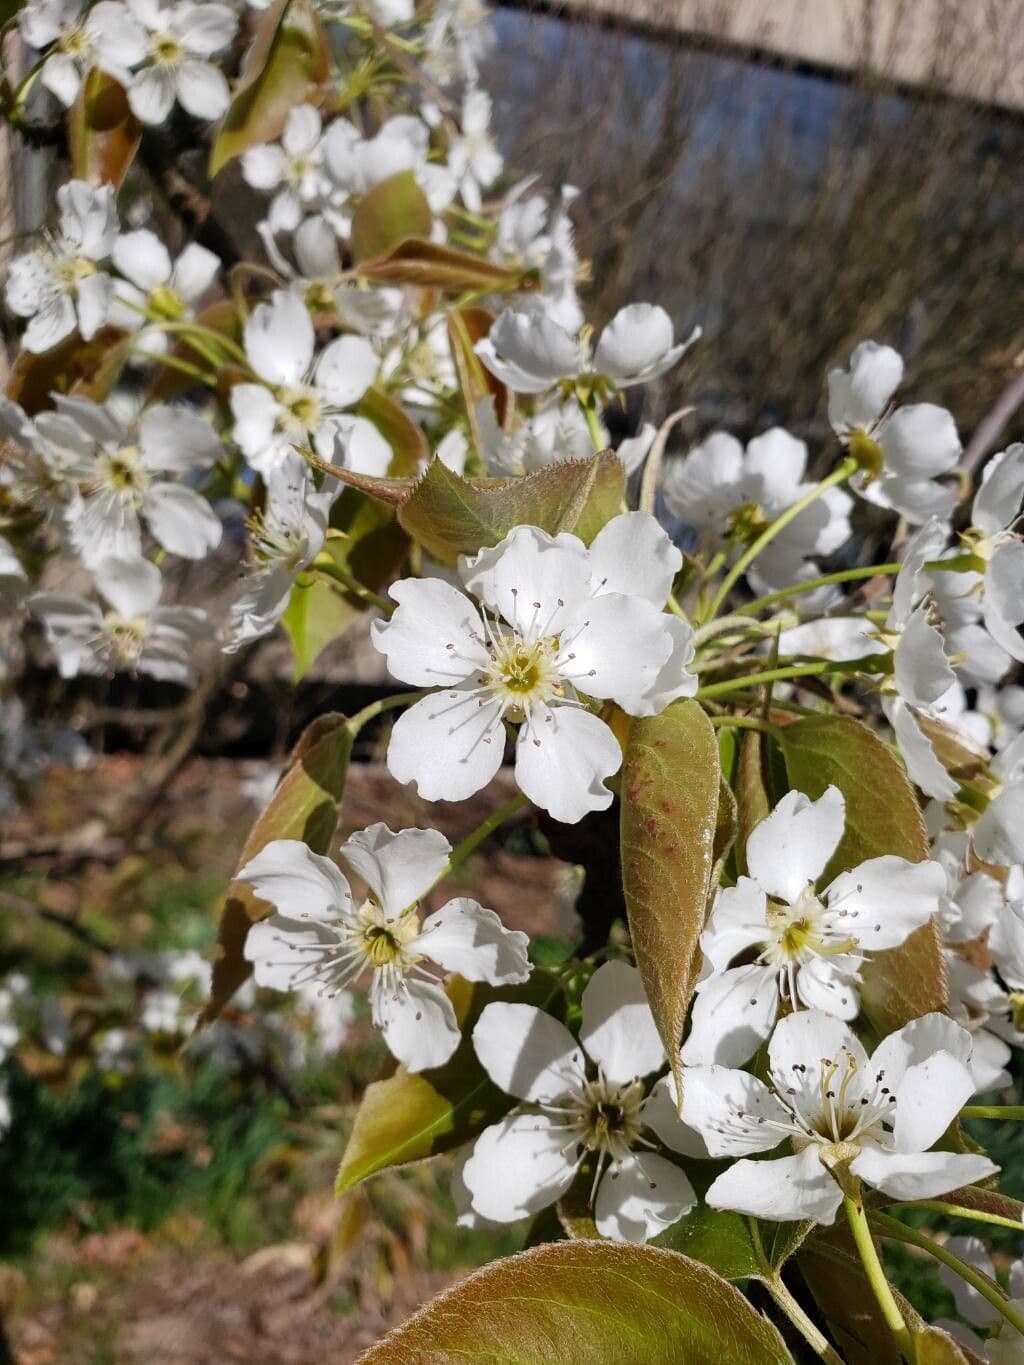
1014,1112
880,1286
723,625
593,426
377,708
810,584
988,1289
329,568
961,1211
746,723
848,467
810,1333
816,668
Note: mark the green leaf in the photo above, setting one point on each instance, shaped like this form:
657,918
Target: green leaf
433,266
670,797
103,133
394,210
371,548
409,1116
450,515
882,816
719,1239
305,806
288,62
586,1303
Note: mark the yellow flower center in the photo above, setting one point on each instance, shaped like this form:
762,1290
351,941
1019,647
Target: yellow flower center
867,452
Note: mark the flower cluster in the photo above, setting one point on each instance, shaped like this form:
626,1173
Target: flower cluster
774,677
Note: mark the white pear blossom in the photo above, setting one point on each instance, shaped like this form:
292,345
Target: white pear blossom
557,432
531,353
808,946
557,624
120,475
1003,1344
293,169
998,834
973,897
979,1004
722,490
133,633
155,289
457,37
996,512
473,158
76,37
301,403
60,285
180,40
903,451
320,933
569,1114
402,143
285,539
846,1116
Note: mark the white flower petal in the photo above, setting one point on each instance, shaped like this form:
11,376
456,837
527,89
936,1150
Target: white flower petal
298,882
661,1115
673,680
194,272
279,339
738,921
93,297
531,578
640,1196
922,671
528,352
929,1097
614,647
465,937
346,370
448,744
517,1167
632,554
786,1189
562,761
919,1175
205,28
725,1107
807,1037
528,1053
618,1029
998,499
999,833
287,954
151,94
732,1015
399,868
636,345
857,397
60,75
132,586
919,441
418,1023
884,900
142,258
787,851
176,441
826,983
434,636
923,766
1004,597
181,520
264,166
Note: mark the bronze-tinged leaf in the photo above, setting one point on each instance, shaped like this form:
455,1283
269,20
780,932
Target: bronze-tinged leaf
987,1201
957,752
409,1116
305,806
431,265
752,800
467,326
450,515
882,816
394,210
288,63
586,1303
89,368
103,133
406,439
670,794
